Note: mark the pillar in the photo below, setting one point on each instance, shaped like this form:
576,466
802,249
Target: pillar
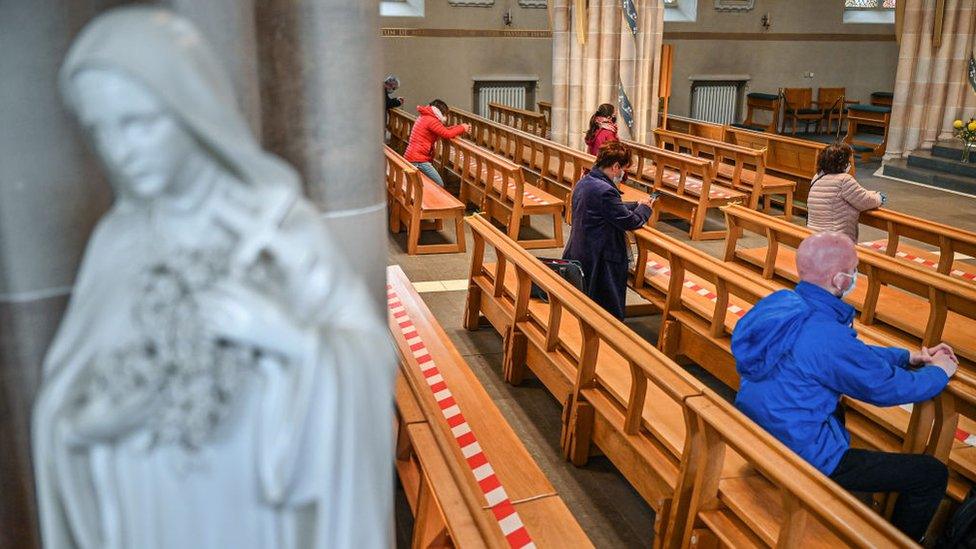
320,85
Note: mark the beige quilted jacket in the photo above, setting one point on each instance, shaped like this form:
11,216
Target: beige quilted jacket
835,203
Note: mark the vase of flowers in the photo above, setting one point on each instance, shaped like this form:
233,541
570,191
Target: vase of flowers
965,132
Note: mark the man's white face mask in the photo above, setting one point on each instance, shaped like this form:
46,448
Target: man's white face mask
853,276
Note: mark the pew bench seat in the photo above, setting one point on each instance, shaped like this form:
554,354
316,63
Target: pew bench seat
693,186
925,258
469,456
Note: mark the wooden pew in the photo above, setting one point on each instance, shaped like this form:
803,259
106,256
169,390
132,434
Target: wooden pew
700,128
912,303
527,121
621,395
616,391
413,198
468,479
400,123
497,185
491,182
789,504
703,298
788,157
743,168
687,186
949,240
900,303
545,107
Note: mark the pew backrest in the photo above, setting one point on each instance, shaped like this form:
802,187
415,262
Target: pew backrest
942,293
527,121
808,499
949,240
719,152
403,182
695,127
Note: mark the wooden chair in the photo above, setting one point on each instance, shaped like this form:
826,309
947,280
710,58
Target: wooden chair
468,479
741,168
763,102
798,108
414,199
875,119
882,99
833,106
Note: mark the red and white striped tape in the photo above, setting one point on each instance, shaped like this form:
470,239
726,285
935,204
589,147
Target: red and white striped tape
882,245
694,184
491,487
656,269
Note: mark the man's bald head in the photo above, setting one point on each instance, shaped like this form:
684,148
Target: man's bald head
821,257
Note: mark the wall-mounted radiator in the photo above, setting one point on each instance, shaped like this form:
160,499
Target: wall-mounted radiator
714,101
513,96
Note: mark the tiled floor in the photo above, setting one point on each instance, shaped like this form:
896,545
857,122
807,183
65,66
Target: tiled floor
609,510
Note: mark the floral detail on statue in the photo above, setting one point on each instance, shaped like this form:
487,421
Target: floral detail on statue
195,373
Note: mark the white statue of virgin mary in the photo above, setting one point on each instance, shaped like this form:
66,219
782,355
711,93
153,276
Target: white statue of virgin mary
220,378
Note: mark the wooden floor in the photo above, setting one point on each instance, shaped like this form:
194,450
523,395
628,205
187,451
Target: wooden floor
608,509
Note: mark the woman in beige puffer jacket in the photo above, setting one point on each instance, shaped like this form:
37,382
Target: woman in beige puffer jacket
836,199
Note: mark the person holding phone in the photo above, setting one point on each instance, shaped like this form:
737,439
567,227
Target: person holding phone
598,239
603,128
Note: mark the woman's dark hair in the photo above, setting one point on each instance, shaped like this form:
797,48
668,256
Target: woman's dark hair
605,110
613,152
835,158
441,106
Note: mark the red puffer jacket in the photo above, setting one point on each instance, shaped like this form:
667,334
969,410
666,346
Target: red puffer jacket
426,130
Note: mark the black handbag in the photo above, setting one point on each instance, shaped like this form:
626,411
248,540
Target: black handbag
570,270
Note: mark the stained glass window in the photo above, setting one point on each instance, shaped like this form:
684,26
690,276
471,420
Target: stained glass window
869,4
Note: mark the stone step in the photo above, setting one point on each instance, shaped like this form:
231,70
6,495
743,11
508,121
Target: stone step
901,169
949,149
926,160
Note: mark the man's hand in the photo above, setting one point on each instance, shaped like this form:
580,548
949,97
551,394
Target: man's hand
400,101
927,355
945,363
647,201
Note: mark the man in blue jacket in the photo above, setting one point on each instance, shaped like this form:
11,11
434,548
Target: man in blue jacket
598,239
797,353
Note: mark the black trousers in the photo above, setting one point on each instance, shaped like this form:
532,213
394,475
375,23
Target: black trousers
920,481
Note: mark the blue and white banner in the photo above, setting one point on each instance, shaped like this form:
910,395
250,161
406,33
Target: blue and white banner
626,109
630,14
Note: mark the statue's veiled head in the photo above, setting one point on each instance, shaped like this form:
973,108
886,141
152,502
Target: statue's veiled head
152,93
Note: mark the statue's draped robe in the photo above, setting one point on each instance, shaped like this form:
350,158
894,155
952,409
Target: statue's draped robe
269,478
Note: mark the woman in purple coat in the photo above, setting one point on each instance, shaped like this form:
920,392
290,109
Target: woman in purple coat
600,223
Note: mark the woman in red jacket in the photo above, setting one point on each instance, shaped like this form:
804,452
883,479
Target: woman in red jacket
426,130
603,128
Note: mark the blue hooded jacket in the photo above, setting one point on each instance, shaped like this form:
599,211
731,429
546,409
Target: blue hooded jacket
796,353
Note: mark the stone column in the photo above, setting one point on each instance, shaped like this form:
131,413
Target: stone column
320,85
230,28
51,195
